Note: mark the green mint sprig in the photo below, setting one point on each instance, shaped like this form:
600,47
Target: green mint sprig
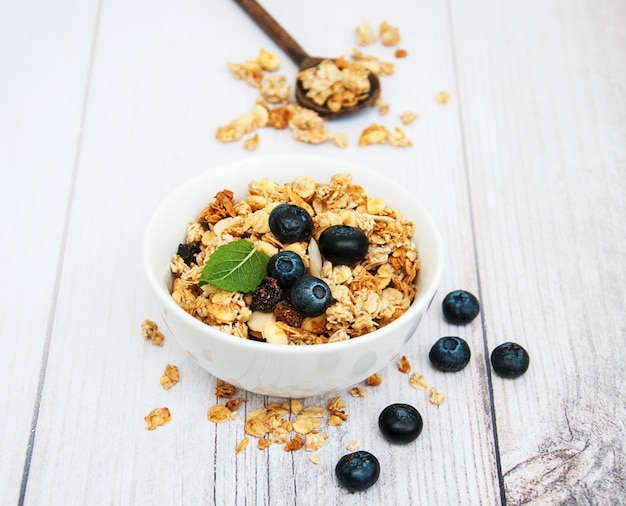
235,266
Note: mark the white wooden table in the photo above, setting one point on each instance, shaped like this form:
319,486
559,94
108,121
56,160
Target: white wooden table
107,105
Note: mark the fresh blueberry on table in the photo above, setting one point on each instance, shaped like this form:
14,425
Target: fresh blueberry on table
290,223
343,244
460,307
358,470
310,295
510,360
400,423
286,267
450,354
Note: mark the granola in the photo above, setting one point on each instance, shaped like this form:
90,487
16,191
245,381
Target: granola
170,377
366,296
150,330
157,417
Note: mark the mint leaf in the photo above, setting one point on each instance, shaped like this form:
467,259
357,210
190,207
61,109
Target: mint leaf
236,266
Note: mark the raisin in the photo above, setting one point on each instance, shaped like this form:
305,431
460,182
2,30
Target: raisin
266,296
188,252
285,312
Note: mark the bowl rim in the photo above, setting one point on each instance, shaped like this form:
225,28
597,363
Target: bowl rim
419,305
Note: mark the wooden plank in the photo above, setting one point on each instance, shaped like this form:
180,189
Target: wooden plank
542,106
40,110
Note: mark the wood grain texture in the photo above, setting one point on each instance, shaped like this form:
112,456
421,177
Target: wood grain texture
523,170
41,112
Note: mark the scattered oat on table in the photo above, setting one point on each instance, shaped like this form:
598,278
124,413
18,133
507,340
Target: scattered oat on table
404,366
316,459
242,445
150,330
170,377
435,397
408,117
223,389
340,139
418,381
442,97
389,35
353,445
374,380
358,392
251,143
219,414
157,417
365,34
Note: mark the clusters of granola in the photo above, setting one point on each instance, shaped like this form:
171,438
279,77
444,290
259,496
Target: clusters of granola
337,84
417,381
287,423
366,295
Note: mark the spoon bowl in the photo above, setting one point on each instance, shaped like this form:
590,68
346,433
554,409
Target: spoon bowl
304,61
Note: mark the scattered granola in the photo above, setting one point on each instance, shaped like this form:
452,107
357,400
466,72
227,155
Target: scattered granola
374,380
157,417
442,97
366,295
404,366
365,34
150,330
435,397
340,139
400,53
354,445
233,404
242,445
358,392
316,459
408,117
275,89
418,381
219,414
170,377
223,389
389,35
251,143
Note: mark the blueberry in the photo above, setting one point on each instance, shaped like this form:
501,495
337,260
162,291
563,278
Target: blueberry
343,245
357,471
400,423
286,267
188,252
450,354
510,360
460,307
310,295
290,223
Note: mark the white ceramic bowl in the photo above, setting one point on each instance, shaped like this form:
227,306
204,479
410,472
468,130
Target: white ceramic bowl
283,370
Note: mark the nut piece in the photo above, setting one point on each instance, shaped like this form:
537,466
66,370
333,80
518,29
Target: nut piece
170,377
400,53
268,61
157,417
150,330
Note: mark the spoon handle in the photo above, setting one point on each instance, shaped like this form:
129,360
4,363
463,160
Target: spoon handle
276,32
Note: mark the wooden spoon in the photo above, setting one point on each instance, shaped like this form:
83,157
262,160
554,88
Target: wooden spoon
300,57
